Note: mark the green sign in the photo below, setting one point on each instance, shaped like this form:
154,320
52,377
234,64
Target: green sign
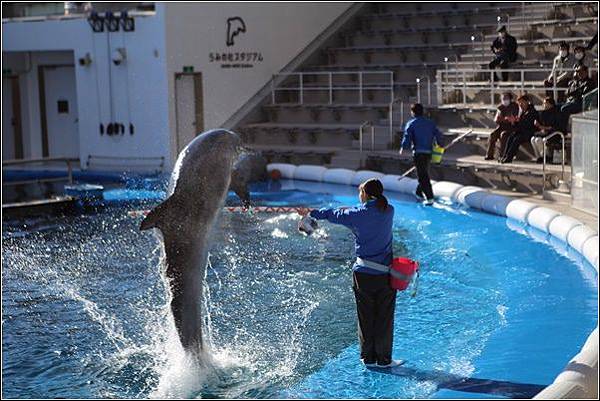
188,68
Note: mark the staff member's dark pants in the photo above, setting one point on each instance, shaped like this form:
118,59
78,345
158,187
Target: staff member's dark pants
375,304
422,161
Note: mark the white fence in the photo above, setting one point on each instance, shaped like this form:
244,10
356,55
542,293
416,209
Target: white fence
296,82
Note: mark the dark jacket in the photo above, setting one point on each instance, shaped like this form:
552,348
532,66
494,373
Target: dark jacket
551,118
419,133
526,123
509,47
578,88
372,231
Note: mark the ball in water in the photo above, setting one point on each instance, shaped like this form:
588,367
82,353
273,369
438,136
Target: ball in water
275,175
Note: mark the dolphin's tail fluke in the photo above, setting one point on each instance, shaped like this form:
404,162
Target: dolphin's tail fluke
156,216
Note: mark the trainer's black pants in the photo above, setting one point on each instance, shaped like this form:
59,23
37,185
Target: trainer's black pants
375,304
422,161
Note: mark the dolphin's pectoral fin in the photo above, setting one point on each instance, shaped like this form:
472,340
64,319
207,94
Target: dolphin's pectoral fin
156,216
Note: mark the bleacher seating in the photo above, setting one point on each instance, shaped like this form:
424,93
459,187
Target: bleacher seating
416,41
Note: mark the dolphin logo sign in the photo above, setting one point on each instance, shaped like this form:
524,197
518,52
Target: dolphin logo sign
235,25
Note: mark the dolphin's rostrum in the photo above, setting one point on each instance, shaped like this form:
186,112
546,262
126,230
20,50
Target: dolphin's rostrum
199,185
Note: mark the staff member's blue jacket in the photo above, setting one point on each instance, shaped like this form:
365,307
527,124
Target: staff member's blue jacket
419,134
372,229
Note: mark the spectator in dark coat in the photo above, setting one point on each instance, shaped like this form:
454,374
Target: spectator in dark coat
504,48
524,128
548,122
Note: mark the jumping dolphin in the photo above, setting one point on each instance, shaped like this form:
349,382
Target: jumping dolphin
249,167
198,187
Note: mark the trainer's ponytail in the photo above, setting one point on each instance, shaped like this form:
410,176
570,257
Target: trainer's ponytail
382,203
374,189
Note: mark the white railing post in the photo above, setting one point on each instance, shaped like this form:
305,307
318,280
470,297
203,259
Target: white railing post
330,88
360,87
473,52
492,81
360,136
372,137
554,91
301,88
390,120
391,86
522,81
402,114
464,91
428,90
273,89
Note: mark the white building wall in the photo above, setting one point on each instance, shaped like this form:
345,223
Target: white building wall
143,89
142,77
277,31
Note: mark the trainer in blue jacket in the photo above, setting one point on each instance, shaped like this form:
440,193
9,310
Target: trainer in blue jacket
419,134
371,224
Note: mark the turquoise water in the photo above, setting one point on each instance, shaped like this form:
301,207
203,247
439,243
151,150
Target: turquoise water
499,312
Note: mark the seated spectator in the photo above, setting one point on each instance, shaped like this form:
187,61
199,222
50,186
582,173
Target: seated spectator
579,86
579,54
561,70
548,122
504,48
506,115
524,128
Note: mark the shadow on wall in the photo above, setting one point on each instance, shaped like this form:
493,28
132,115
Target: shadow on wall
449,381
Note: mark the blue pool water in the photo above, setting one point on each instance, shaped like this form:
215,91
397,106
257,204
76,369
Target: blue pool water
500,310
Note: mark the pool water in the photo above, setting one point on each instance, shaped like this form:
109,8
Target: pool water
499,312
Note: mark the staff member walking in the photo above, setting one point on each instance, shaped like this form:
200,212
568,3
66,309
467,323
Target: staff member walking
419,134
371,224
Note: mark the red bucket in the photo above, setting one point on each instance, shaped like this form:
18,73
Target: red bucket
402,273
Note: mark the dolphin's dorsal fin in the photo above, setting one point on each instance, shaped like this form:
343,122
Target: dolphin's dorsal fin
156,216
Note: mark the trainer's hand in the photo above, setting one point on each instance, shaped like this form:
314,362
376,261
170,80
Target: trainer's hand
400,151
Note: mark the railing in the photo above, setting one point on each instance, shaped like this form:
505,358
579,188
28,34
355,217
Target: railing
302,88
391,116
545,142
67,160
361,133
463,80
144,161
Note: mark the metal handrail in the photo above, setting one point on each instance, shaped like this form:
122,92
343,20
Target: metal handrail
391,116
544,141
17,162
330,86
457,80
360,134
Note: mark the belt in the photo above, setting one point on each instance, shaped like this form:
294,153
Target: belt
382,268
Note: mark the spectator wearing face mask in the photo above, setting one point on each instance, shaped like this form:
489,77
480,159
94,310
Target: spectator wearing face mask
504,48
561,70
579,86
548,122
524,128
506,116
